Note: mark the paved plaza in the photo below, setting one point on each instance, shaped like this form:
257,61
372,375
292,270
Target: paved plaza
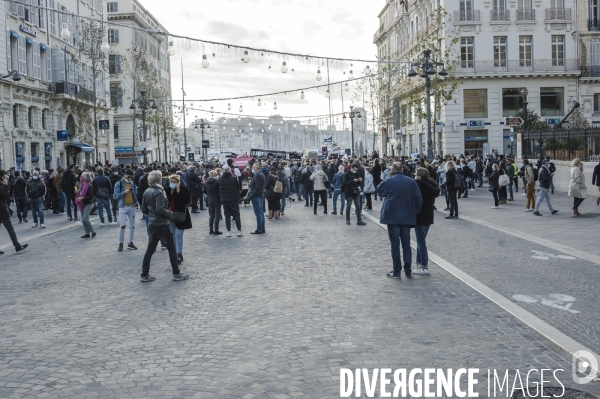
278,315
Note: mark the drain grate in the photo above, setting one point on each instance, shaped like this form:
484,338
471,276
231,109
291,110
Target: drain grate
555,392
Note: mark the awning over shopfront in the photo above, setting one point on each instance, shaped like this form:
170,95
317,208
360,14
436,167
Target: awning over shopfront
84,147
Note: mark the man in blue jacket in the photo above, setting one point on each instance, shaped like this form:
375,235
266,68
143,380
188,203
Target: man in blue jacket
402,203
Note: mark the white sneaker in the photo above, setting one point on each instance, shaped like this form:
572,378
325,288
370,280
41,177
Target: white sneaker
240,234
422,271
102,224
34,225
92,223
528,210
42,226
228,234
112,223
495,207
524,195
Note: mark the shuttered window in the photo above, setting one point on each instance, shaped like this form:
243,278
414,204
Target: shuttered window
58,65
9,63
594,53
37,62
22,55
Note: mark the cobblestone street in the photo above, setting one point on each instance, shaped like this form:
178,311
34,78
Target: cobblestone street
272,316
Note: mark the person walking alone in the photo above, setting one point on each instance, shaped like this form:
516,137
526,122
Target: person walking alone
214,203
529,179
352,186
320,182
596,181
544,180
452,191
229,193
577,187
126,195
84,200
257,195
402,202
156,207
18,189
103,188
179,198
36,191
5,213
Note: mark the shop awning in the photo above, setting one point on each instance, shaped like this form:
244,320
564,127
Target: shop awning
84,147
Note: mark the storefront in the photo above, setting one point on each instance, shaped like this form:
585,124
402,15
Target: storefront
476,142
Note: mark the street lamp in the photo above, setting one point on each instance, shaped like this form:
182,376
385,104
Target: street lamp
143,103
524,93
15,76
428,68
352,114
203,126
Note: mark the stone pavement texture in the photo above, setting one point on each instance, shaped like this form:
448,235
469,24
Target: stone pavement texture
272,316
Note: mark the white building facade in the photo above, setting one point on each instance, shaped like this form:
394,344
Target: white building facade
155,46
38,112
504,47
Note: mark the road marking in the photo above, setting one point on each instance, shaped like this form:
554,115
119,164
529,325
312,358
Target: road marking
557,301
546,330
538,240
545,256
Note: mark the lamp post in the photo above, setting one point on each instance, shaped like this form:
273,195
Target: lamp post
203,125
428,68
352,114
143,103
524,93
15,76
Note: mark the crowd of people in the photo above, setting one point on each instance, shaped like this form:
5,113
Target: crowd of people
169,193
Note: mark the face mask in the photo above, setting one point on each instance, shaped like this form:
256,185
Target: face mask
116,173
35,177
173,186
353,171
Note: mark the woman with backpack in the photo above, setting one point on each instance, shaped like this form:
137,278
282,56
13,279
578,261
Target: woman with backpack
273,193
321,184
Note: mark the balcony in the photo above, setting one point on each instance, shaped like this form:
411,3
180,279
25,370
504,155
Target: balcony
462,16
523,66
378,33
594,24
500,15
74,90
590,71
525,15
558,14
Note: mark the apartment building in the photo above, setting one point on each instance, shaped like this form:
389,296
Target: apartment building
549,47
42,111
127,130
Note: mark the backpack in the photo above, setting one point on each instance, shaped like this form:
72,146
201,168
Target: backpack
535,174
278,187
521,171
458,180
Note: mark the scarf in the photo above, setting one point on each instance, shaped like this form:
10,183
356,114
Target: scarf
83,189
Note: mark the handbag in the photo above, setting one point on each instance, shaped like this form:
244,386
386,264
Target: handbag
179,217
491,188
326,182
503,180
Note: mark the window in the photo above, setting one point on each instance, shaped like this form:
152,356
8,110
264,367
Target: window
16,115
596,103
113,36
29,58
466,52
114,63
44,122
13,55
116,131
52,17
112,6
512,102
475,103
551,101
558,50
30,117
116,96
500,52
41,14
43,63
525,51
499,5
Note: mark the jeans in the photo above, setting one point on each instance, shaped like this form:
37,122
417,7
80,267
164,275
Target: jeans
369,201
530,195
178,236
577,202
544,194
453,202
114,206
495,195
465,188
337,193
400,234
37,208
260,215
232,209
300,189
85,219
510,188
11,232
292,187
126,212
516,180
104,203
357,206
162,233
422,254
71,202
282,203
61,201
308,195
195,204
213,216
22,207
322,194
480,178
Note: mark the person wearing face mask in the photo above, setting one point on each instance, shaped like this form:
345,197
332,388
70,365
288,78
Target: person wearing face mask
339,191
4,212
36,191
352,185
126,195
114,177
577,187
178,197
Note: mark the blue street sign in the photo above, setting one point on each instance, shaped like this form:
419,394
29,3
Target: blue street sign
476,123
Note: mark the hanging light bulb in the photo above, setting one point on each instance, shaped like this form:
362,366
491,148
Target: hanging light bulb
275,105
250,124
284,68
105,47
282,121
367,71
309,121
259,103
318,77
241,108
229,106
171,49
327,94
212,110
346,87
302,95
204,61
246,57
351,75
64,33
262,121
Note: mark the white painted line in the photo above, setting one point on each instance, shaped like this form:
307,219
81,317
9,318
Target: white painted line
539,240
546,330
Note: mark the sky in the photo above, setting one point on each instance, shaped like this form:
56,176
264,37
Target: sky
330,28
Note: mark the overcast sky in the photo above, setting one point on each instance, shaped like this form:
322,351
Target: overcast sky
336,28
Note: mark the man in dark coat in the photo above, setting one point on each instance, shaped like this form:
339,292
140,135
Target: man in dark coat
18,189
596,181
5,214
308,186
102,189
352,186
257,195
114,178
213,199
429,191
69,183
195,187
229,193
402,203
